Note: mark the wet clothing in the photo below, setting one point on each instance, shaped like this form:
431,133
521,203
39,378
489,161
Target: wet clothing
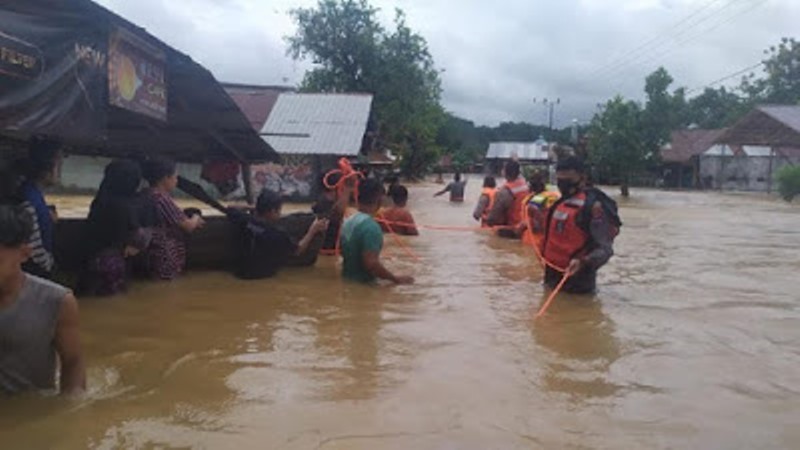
508,204
114,223
400,221
570,233
262,249
42,260
485,204
456,190
360,234
28,359
335,221
166,255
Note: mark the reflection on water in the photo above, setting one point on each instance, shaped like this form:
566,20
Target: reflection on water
692,342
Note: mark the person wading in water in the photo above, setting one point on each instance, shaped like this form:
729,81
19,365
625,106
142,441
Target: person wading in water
507,208
580,230
456,189
362,240
38,319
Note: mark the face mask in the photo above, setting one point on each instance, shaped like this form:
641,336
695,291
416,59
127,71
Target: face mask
567,187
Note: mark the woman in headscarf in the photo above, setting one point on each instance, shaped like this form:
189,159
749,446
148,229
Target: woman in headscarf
115,230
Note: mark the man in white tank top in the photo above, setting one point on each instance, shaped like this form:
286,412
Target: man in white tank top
38,319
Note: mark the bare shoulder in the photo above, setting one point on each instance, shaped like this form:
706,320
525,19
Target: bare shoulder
69,308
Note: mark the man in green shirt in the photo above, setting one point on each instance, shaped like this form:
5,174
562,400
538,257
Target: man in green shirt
362,239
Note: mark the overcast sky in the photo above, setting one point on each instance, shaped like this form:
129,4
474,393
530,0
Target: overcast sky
499,55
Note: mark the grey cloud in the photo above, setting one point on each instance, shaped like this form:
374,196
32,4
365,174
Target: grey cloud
497,56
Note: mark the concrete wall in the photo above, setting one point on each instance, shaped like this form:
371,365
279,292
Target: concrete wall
741,173
84,174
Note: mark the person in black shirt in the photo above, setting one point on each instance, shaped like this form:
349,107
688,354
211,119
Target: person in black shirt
262,247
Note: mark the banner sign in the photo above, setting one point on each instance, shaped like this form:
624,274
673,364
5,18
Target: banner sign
137,76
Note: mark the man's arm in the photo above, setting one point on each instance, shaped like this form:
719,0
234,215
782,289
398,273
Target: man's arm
444,191
372,262
602,249
68,346
319,226
600,231
483,202
410,227
503,201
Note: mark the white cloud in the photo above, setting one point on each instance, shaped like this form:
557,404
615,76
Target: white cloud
499,55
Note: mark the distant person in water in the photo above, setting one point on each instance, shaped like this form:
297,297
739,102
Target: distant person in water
456,189
38,319
262,248
41,169
166,255
398,219
362,240
116,230
486,200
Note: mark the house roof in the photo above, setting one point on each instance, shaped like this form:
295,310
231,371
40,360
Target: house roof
684,144
320,124
529,151
256,102
787,115
775,126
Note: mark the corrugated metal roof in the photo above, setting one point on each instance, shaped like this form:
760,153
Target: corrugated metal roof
688,143
757,150
519,150
788,115
256,102
335,123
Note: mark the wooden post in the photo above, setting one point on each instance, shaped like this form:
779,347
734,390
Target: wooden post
771,165
247,178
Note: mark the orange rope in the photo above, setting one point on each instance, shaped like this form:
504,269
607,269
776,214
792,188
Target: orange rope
553,295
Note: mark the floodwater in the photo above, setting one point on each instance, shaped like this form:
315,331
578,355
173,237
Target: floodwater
692,342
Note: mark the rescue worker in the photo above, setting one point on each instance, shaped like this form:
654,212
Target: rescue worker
579,231
486,201
508,204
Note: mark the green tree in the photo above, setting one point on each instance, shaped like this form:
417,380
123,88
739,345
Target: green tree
353,52
781,85
789,182
716,108
618,146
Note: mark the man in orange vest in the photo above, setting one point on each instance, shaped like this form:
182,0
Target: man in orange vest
508,203
580,230
486,201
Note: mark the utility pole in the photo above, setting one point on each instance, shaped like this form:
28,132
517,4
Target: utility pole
549,106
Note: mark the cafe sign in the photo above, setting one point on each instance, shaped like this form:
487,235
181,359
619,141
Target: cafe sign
137,76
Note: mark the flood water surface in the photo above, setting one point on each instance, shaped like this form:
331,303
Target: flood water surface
693,341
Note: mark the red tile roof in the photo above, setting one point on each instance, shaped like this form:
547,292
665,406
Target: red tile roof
256,102
688,143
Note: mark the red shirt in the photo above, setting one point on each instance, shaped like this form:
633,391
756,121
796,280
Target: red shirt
398,220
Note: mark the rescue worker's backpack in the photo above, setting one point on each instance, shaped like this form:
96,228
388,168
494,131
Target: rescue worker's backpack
610,209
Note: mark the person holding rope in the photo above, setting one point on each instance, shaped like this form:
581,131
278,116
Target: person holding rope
579,231
362,239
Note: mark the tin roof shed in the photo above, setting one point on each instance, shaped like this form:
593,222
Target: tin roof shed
318,124
525,151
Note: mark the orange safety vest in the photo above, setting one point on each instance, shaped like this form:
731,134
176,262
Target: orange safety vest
519,189
564,237
489,192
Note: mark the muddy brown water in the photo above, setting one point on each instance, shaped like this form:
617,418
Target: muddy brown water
692,342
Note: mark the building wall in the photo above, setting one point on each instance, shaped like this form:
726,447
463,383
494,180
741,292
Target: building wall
741,173
297,177
84,174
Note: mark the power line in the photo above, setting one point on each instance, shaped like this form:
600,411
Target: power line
654,39
673,41
725,78
701,33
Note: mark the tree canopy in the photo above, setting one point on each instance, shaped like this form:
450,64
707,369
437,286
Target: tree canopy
353,52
